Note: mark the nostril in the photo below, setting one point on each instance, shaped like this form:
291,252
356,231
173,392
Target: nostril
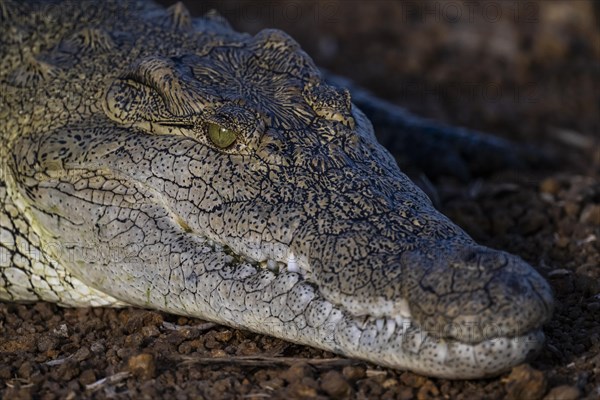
470,256
515,286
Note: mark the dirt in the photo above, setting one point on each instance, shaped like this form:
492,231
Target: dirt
527,71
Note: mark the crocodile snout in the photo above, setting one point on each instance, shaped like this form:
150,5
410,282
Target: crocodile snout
473,293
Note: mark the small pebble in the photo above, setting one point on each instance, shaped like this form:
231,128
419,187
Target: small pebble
82,354
296,372
413,380
334,384
299,390
224,336
590,214
354,372
525,382
563,392
87,377
428,391
142,366
98,347
550,185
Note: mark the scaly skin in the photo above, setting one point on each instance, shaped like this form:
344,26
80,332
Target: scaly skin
114,192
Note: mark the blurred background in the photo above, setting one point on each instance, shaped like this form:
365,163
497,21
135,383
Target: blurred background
526,70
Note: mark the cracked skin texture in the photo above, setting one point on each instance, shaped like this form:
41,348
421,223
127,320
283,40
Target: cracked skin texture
170,163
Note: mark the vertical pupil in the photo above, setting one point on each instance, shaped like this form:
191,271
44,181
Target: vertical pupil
221,136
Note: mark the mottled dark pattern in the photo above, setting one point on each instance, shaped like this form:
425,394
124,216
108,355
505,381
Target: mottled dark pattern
303,228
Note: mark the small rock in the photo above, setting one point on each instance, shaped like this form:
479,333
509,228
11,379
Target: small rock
150,331
412,380
185,348
134,340
125,353
218,353
224,385
82,354
211,342
87,377
61,331
67,371
590,214
389,383
25,370
428,391
571,208
299,390
334,384
354,372
224,336
142,366
98,347
296,372
46,310
377,375
563,392
525,382
405,393
550,185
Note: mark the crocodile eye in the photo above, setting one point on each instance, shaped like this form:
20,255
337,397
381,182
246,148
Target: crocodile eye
220,136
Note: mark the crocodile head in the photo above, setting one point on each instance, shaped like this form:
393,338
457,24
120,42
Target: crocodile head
290,177
242,144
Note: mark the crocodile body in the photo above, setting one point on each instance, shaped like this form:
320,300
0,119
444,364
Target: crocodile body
155,160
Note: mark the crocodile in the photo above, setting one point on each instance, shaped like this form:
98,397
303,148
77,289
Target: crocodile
156,160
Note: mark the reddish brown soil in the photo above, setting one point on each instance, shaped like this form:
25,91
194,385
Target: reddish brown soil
529,74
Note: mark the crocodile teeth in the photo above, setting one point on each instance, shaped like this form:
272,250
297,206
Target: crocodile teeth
404,309
442,350
402,323
292,263
390,327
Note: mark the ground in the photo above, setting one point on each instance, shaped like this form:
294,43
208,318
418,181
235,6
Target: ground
527,71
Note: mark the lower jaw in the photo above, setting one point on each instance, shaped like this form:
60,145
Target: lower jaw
415,350
408,348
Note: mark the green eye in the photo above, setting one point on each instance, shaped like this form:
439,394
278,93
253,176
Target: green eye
220,136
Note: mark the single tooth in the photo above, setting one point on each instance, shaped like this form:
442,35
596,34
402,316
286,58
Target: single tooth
379,324
404,323
442,350
390,328
292,263
404,309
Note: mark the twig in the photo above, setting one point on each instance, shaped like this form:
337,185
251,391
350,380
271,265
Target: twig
57,361
259,361
109,380
200,327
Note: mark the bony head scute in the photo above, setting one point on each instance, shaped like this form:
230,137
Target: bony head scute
221,136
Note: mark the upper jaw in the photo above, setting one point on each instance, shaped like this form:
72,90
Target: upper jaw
465,293
453,289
